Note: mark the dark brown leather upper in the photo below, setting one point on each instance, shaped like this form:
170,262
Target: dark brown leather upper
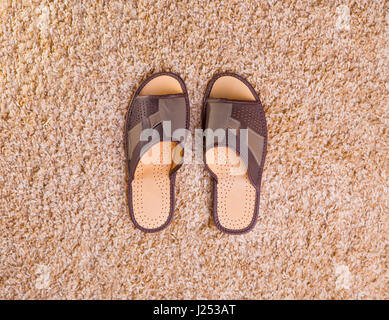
152,112
232,116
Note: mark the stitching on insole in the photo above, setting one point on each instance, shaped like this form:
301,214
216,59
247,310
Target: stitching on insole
142,206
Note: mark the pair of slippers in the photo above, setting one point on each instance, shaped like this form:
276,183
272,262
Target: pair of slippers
156,123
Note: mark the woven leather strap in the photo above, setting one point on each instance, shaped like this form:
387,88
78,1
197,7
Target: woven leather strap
169,109
219,117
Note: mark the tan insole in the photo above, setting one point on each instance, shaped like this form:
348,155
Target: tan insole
151,184
161,85
235,194
231,88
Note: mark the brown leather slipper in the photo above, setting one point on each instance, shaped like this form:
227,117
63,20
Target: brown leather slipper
235,161
153,156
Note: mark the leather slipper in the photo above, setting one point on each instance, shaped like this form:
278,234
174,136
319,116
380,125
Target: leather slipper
236,160
154,150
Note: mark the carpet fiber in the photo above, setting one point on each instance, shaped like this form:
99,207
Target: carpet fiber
67,72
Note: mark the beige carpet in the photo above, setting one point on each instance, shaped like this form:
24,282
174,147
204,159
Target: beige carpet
67,72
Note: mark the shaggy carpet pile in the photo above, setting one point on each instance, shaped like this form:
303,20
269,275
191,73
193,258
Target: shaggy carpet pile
67,72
